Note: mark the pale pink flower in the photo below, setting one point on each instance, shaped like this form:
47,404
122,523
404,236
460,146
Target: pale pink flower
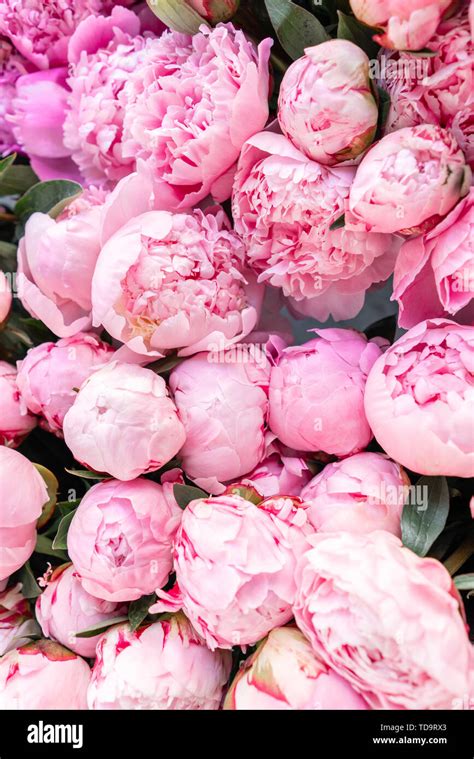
361,493
64,608
56,260
419,399
43,675
409,180
22,496
121,537
285,673
234,564
5,297
405,24
317,393
326,105
123,422
283,207
163,666
51,374
15,422
189,107
175,281
386,620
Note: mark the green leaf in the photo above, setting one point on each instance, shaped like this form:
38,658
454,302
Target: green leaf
340,222
100,627
165,364
138,610
184,494
349,28
295,27
247,492
46,197
425,520
464,582
52,486
16,180
30,588
177,15
86,474
44,546
60,541
5,164
7,256
384,109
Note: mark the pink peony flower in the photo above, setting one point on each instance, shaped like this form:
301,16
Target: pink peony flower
43,675
22,496
166,281
16,620
360,494
41,30
123,422
222,401
283,206
12,66
434,273
284,673
103,53
406,24
234,564
15,424
326,106
281,472
56,260
385,620
439,90
50,375
317,393
5,298
189,107
39,130
162,666
419,399
65,608
121,536
409,180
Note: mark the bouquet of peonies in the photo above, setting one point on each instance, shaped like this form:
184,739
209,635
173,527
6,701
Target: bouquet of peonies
236,354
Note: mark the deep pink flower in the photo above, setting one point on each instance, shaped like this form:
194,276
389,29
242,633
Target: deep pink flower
41,30
12,66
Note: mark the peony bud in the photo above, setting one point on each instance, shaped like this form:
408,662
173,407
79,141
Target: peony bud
65,608
160,666
317,393
43,675
51,373
327,107
123,422
362,493
285,673
121,537
5,298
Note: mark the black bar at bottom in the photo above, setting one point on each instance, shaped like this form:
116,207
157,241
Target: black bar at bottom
144,733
